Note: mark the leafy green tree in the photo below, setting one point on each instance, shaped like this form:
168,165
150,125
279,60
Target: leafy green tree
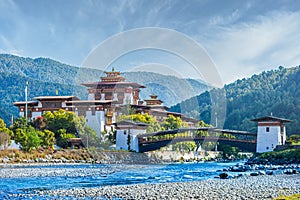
5,134
154,127
64,137
67,124
20,123
60,119
172,123
201,123
47,139
20,136
294,139
4,129
28,138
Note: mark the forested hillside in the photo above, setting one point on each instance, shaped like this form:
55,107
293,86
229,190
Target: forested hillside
45,76
275,91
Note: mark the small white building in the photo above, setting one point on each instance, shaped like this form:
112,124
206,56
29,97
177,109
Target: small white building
271,132
126,136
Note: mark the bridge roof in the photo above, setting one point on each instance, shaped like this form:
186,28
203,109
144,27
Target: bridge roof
185,129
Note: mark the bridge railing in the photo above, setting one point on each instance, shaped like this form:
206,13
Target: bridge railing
189,138
197,133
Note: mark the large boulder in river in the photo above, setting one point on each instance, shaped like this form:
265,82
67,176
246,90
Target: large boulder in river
223,175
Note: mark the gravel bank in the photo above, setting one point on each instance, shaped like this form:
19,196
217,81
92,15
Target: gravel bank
246,187
37,170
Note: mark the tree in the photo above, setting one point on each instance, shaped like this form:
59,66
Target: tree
66,125
4,129
64,137
294,139
172,123
201,123
5,134
20,123
28,138
60,119
47,139
154,127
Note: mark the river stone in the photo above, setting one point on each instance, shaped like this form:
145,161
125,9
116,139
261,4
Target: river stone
254,174
223,175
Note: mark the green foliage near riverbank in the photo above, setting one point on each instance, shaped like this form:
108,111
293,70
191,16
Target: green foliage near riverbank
292,197
29,137
67,125
5,134
294,139
289,155
57,127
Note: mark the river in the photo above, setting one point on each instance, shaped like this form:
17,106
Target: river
27,179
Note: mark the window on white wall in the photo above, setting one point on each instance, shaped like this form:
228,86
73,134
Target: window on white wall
267,129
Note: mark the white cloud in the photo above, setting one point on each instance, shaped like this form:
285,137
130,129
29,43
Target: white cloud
247,48
219,20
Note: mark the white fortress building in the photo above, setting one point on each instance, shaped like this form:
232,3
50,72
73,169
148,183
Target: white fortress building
271,132
107,99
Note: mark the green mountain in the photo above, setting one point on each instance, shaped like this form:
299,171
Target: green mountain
275,92
45,76
170,89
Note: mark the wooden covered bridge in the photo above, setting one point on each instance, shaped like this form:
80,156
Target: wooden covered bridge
245,141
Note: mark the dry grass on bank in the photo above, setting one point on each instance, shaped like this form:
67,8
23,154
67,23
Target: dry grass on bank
17,156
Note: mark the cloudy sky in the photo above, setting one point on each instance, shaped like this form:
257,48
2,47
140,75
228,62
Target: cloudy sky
240,37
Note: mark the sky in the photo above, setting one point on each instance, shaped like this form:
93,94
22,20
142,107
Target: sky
232,39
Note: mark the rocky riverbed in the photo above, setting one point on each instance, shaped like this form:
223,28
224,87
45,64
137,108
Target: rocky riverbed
245,187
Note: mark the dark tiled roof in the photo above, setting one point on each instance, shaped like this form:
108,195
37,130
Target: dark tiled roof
55,97
270,118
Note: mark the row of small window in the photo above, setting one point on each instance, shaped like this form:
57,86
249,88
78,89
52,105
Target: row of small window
268,129
272,147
